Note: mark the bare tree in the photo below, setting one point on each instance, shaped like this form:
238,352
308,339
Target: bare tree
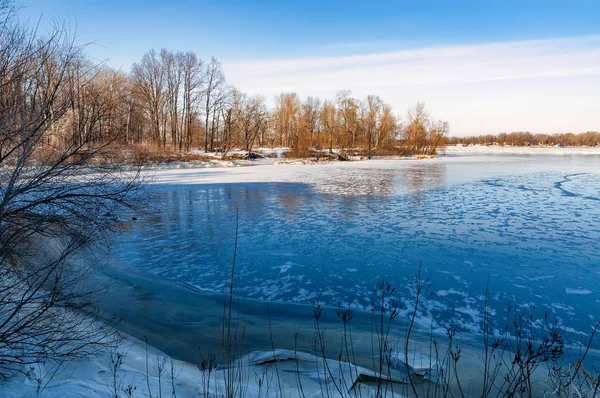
329,121
229,137
221,96
96,95
250,117
286,117
214,82
57,194
387,128
174,69
148,77
229,132
372,107
348,118
311,109
192,81
424,135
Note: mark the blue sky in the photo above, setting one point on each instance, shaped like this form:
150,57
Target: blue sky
452,54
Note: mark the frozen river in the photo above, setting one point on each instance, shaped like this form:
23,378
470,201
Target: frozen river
532,224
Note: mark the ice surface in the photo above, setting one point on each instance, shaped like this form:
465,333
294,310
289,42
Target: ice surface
529,223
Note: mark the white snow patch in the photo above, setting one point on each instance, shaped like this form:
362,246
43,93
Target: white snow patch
577,291
444,293
285,267
541,278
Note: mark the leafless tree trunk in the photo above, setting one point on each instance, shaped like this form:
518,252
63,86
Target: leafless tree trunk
251,116
286,115
228,139
148,77
370,120
329,122
311,110
348,110
214,80
173,65
192,81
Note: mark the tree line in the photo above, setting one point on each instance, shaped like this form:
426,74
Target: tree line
525,138
176,101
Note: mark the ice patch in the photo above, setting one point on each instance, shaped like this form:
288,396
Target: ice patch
284,268
541,278
577,291
472,312
444,293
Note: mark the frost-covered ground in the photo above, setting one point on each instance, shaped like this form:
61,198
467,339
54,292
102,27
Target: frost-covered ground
331,231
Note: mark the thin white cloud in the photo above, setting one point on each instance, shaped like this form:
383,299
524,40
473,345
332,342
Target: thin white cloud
408,75
367,45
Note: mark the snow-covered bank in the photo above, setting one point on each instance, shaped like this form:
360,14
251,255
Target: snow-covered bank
135,369
194,164
460,154
168,315
522,151
93,377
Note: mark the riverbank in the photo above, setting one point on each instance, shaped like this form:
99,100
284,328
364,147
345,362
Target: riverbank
178,326
276,156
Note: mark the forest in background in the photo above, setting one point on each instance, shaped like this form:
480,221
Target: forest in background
526,138
175,101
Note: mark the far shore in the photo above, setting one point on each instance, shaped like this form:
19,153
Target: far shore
213,160
520,150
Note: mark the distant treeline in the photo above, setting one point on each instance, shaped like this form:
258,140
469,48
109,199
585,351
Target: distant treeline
177,101
525,138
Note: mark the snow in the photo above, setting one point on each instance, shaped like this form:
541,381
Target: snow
277,152
92,377
195,164
523,151
258,370
418,362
